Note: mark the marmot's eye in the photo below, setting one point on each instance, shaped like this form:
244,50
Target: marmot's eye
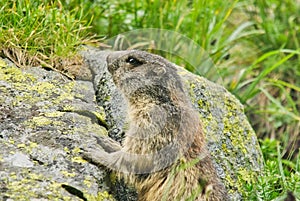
133,61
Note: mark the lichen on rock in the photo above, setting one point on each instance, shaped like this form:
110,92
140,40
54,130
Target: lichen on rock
230,138
41,131
45,118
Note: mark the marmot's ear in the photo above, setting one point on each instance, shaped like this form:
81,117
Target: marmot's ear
159,70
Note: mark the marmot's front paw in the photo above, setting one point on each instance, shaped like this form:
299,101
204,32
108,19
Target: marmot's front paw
94,155
108,144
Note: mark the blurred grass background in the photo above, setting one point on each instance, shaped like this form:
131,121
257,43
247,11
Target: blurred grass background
254,44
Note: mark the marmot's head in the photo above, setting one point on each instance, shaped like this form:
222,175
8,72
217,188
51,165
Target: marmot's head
145,75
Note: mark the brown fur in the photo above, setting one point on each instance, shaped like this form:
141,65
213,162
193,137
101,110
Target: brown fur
164,153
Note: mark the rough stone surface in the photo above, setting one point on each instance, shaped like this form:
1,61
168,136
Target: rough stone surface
45,118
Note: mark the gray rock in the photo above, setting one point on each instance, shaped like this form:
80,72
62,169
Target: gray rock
45,118
19,160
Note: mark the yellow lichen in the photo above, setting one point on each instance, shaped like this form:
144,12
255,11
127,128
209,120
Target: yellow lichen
21,145
94,128
13,175
40,121
68,174
76,150
224,146
66,94
78,159
87,182
27,147
33,145
26,185
43,87
11,141
2,63
246,176
54,114
68,108
14,75
66,149
99,116
101,196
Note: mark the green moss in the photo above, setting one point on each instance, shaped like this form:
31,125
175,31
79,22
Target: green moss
236,137
200,103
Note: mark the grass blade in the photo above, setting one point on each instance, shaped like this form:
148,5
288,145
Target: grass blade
252,89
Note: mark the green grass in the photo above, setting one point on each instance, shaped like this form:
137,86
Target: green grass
280,175
254,45
205,22
39,32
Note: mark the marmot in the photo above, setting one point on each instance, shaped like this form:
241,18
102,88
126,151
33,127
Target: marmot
164,153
